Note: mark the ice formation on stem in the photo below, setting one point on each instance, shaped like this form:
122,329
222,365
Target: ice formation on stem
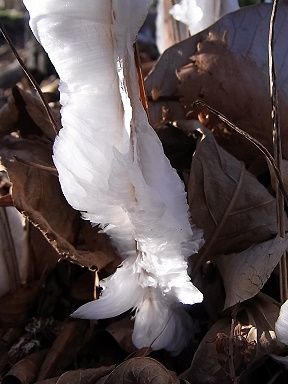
200,14
281,325
112,167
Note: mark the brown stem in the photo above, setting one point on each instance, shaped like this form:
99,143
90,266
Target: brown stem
277,147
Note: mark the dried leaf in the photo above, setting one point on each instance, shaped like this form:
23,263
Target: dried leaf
48,381
6,201
8,116
141,370
84,376
64,349
32,108
15,307
204,67
245,273
26,370
253,337
223,196
122,330
38,194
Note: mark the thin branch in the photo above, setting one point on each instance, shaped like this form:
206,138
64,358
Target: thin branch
277,147
31,79
254,141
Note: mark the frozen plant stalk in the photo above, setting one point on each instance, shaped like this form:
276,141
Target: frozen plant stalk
112,167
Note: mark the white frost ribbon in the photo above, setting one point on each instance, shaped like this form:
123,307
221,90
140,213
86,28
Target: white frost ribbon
281,325
200,14
112,167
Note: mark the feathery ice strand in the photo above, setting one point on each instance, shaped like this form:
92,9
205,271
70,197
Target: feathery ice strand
112,167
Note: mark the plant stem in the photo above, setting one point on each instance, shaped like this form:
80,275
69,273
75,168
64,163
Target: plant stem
277,149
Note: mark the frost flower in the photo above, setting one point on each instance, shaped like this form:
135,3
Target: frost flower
112,167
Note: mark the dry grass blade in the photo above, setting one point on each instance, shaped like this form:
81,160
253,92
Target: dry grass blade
277,147
30,78
252,140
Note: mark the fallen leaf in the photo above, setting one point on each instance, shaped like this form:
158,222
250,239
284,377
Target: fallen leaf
253,337
48,381
15,307
245,273
122,330
84,376
37,193
26,370
141,370
225,199
33,114
205,67
8,116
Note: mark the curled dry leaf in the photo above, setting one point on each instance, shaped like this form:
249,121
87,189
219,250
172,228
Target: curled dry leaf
26,370
37,193
141,370
204,67
31,105
225,199
245,273
84,376
252,337
24,111
48,381
8,116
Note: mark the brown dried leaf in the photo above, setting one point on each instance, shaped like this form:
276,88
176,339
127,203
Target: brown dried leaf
8,116
38,194
204,67
253,337
15,307
6,201
122,330
84,376
48,381
64,349
34,114
220,187
141,370
245,273
26,370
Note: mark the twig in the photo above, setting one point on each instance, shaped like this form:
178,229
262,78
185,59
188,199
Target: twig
277,147
254,141
31,79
